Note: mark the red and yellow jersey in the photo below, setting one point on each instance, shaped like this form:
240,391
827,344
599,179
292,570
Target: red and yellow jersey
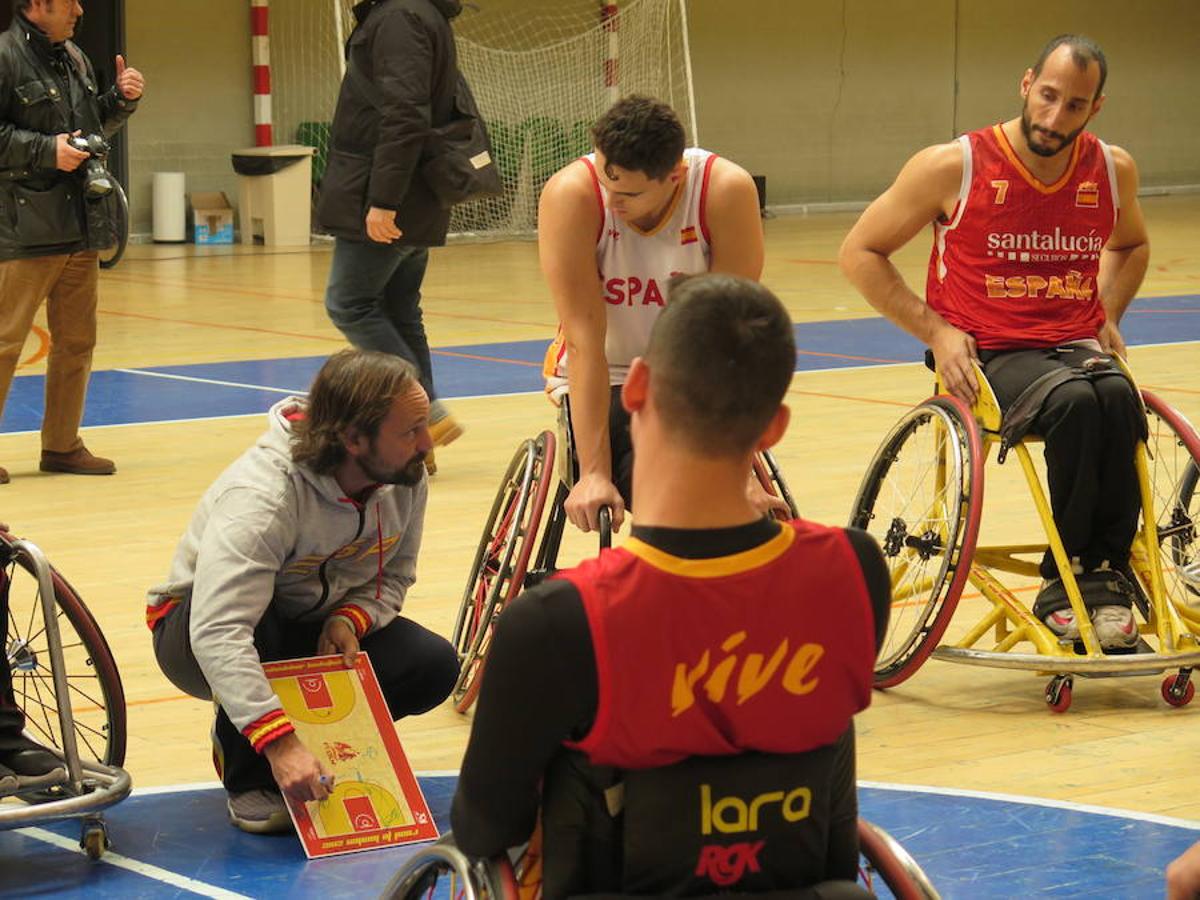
771,649
1016,265
635,266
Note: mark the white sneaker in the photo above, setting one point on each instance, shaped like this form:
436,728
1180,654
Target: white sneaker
1063,624
1115,628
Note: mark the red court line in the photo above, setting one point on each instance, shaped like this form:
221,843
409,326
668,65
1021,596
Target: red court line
314,337
848,397
43,349
873,359
221,288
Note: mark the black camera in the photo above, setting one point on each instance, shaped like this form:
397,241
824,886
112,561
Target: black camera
97,182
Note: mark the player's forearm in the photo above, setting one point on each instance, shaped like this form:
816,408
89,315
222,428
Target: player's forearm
1121,274
878,280
587,377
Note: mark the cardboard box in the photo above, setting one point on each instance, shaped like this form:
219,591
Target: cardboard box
212,217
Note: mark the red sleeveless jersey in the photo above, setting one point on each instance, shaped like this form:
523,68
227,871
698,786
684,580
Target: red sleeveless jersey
1016,265
771,649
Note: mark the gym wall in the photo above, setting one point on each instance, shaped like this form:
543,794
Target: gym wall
827,98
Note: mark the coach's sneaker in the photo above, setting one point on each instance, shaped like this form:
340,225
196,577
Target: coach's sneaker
259,812
1115,628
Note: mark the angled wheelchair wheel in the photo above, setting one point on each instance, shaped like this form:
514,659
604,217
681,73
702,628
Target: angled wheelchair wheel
501,559
442,870
883,859
1173,450
770,476
96,697
921,499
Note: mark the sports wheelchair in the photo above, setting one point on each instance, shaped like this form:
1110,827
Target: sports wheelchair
882,862
501,567
66,680
922,499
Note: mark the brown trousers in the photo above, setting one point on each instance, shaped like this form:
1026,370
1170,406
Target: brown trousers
69,285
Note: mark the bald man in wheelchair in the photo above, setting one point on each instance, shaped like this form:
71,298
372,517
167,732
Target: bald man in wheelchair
679,710
1039,247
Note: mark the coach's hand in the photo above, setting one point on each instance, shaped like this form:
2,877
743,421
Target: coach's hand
299,774
589,494
381,225
337,636
954,351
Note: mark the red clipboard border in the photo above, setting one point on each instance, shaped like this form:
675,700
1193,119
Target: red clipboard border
315,846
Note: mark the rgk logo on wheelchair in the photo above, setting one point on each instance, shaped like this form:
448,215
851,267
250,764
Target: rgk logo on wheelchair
726,864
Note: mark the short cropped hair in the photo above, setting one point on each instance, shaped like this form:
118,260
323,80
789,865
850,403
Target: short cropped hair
640,134
721,357
353,391
1084,51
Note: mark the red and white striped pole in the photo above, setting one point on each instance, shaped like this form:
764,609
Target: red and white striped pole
610,21
261,58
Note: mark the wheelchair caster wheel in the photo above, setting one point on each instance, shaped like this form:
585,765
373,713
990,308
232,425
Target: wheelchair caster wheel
94,838
1058,693
1178,690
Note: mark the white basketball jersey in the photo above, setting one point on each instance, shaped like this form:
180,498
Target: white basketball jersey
635,266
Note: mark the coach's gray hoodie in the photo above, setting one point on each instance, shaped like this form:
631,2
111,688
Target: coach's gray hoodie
270,531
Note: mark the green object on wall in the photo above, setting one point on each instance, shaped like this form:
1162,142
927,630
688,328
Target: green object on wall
315,134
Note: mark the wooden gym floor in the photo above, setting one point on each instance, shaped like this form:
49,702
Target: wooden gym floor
957,727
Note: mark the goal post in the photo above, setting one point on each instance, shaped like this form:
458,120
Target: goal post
542,72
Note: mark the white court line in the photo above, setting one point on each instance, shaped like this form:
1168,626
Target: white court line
216,381
184,421
166,876
1190,824
1154,818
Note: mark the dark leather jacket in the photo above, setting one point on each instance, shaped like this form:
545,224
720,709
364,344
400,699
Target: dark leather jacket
404,51
46,90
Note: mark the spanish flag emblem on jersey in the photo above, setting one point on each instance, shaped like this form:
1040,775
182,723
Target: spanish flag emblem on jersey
1088,194
688,235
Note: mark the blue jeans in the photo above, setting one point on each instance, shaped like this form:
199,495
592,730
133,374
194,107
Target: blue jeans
374,298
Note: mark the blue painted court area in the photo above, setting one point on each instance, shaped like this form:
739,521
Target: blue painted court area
169,393
180,844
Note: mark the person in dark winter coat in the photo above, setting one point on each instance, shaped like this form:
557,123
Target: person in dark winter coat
52,227
401,74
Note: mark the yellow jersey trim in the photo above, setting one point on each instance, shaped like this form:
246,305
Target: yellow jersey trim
718,566
1037,185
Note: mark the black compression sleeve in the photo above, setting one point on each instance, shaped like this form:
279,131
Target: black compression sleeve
879,582
539,689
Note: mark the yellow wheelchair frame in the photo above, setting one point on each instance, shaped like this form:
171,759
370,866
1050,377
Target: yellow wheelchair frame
931,553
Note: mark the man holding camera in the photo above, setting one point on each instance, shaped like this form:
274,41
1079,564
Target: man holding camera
57,213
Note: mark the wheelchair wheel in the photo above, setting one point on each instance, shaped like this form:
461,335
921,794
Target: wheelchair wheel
501,559
96,696
442,870
770,476
111,256
1173,448
921,499
882,855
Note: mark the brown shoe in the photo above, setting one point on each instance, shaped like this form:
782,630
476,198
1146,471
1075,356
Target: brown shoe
4,476
77,462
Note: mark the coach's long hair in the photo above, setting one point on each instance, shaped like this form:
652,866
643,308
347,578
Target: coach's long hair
351,394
